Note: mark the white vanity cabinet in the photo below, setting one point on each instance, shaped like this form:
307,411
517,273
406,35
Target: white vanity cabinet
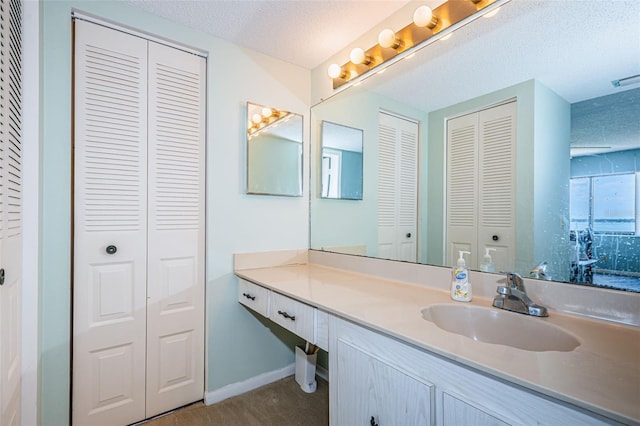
299,318
377,380
253,296
369,390
295,316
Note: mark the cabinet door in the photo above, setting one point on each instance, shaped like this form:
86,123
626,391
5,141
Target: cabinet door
457,412
372,391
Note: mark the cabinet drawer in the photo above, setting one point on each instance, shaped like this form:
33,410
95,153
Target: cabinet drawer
293,315
253,296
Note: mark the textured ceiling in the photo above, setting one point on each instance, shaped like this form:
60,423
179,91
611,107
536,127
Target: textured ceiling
302,32
574,47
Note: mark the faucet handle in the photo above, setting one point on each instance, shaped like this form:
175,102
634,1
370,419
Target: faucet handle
514,280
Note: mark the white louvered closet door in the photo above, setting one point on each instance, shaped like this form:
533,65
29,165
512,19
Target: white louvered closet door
397,187
496,201
110,227
10,209
462,188
175,310
481,186
139,227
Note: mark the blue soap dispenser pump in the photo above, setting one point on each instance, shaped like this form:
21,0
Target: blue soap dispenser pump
460,285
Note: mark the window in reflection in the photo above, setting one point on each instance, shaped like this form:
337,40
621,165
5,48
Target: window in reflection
341,165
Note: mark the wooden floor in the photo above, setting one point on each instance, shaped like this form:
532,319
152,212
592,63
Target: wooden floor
282,403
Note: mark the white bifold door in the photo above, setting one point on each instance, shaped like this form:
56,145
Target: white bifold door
138,281
10,210
397,188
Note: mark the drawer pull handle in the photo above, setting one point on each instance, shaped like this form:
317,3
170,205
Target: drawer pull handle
286,315
373,421
248,296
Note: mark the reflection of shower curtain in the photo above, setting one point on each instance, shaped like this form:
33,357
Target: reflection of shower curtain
582,262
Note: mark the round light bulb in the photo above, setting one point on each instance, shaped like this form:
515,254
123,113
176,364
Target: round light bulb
423,17
387,38
256,118
334,71
266,112
357,56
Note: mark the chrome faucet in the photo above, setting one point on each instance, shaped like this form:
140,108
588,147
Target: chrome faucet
513,297
540,271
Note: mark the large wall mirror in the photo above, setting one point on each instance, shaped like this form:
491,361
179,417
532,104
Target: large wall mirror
571,210
341,161
274,151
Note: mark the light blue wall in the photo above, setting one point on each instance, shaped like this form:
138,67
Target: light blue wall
552,132
274,165
235,76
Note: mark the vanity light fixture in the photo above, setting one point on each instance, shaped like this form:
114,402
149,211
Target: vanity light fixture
358,56
424,17
388,39
335,71
491,14
269,117
428,26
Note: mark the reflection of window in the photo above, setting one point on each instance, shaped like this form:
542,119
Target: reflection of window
331,175
604,203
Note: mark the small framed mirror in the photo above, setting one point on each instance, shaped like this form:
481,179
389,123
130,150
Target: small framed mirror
341,168
274,151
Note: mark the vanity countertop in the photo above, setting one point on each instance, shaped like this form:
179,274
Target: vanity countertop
601,375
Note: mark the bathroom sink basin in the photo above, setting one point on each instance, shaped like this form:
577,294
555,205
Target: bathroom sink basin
506,328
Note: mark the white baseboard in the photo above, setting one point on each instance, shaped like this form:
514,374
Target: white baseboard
252,383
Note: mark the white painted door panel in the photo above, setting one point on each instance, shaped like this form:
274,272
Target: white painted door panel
175,310
10,211
109,317
462,188
497,171
480,186
397,188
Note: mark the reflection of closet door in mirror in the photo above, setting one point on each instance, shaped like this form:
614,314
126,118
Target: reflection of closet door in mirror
480,186
274,151
397,188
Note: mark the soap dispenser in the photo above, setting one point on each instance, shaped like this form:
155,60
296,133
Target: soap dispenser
460,285
487,263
